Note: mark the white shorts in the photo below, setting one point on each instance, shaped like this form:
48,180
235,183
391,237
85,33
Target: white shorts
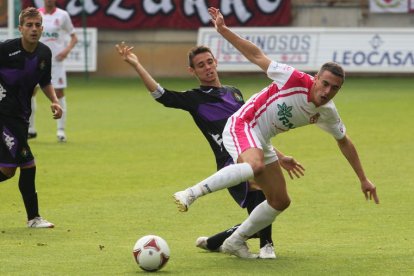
238,136
59,75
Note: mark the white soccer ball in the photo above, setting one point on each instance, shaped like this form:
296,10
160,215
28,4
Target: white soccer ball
151,253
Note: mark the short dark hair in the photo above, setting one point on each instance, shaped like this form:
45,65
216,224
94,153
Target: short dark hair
29,12
195,51
334,68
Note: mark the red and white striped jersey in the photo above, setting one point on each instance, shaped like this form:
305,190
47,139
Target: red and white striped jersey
285,105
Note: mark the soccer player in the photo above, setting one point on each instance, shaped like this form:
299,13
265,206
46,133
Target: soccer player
57,26
24,63
292,100
210,105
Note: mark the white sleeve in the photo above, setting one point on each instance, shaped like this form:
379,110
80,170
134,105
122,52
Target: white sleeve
331,122
158,92
68,25
279,73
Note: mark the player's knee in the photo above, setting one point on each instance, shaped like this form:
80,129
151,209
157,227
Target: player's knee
258,167
254,157
280,204
6,174
286,204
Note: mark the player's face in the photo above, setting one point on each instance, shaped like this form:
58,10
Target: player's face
31,30
205,68
50,3
325,87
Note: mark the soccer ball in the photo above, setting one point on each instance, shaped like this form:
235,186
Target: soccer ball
151,253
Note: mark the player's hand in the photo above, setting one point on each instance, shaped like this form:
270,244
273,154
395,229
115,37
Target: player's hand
369,190
293,167
61,56
56,110
125,52
216,18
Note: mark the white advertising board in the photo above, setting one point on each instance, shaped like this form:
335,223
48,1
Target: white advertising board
362,50
78,60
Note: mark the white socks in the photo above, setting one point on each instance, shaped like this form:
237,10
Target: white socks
262,216
226,177
61,123
32,128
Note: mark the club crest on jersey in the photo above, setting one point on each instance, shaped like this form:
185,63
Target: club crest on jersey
42,65
284,113
24,152
237,97
314,118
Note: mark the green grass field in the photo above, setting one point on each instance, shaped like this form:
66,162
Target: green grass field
126,155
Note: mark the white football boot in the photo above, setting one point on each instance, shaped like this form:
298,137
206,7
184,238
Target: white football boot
267,252
39,222
201,242
183,199
237,248
61,137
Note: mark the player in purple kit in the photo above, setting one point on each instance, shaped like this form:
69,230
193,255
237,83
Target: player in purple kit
292,100
210,105
24,63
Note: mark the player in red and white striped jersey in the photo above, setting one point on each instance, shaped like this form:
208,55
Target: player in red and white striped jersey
292,100
57,28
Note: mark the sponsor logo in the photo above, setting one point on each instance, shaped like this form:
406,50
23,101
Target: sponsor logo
388,3
376,57
9,140
2,92
218,139
14,53
51,36
284,113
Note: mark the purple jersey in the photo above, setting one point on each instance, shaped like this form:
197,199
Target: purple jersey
20,72
210,108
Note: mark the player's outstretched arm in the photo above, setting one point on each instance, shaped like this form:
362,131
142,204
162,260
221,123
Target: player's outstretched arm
128,56
349,151
247,48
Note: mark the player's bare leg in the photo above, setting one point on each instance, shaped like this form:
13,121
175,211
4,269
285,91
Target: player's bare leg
273,184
